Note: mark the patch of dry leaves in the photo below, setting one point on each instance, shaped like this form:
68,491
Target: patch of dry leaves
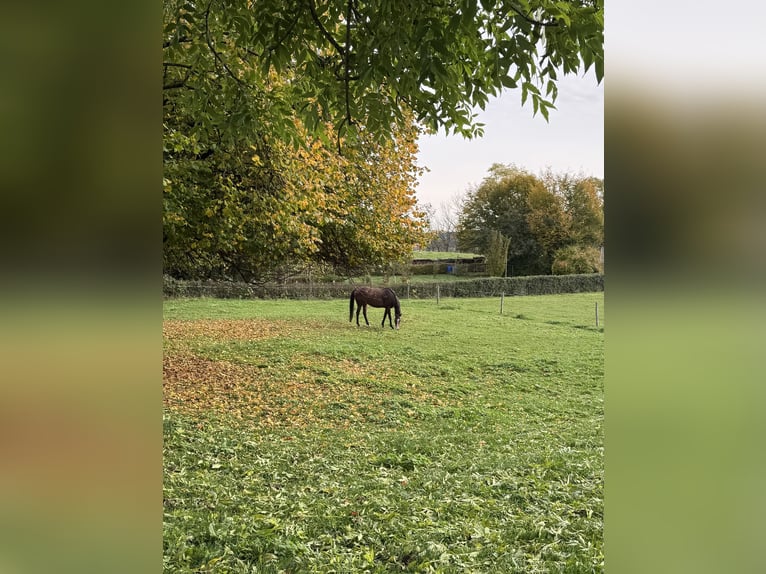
230,329
301,394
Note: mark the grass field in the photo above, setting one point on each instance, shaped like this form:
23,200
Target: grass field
466,441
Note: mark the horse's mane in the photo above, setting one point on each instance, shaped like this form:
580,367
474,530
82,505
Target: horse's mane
397,306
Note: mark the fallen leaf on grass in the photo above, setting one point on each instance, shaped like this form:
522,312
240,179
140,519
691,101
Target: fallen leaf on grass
306,389
226,329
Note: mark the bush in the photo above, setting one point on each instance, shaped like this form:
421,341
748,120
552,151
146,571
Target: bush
576,259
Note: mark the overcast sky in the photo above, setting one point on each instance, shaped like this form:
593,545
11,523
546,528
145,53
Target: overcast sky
572,141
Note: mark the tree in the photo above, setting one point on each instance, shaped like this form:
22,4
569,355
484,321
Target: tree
585,206
370,216
553,219
576,259
497,254
256,211
362,65
501,203
582,198
548,222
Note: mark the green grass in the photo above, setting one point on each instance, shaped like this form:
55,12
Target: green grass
467,441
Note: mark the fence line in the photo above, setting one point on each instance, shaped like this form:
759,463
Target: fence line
482,287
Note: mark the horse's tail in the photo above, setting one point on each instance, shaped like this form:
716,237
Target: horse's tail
351,306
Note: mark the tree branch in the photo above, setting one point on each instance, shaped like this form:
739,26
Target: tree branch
338,136
359,19
287,32
181,40
526,17
212,48
177,83
322,29
347,63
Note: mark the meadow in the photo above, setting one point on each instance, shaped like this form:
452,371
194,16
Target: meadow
467,441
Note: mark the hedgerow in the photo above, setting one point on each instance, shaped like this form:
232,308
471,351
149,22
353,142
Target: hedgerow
479,287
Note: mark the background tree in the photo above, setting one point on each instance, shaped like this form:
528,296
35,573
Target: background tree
548,223
553,217
584,204
582,198
577,259
585,207
497,254
500,203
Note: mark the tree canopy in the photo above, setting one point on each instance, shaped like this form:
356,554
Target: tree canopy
359,65
261,210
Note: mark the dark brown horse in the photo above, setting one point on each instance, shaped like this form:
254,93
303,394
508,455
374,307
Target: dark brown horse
375,297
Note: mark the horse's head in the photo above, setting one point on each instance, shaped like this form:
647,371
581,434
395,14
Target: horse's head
397,309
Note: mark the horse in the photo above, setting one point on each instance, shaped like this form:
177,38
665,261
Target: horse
375,297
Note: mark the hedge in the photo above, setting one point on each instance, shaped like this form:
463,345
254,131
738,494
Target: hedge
481,287
494,286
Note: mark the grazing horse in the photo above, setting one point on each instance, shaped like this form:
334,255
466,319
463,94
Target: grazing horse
375,297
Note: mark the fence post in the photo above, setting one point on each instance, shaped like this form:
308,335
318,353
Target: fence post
437,294
502,300
408,290
596,313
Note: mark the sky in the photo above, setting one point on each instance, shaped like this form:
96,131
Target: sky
571,142
693,45
672,58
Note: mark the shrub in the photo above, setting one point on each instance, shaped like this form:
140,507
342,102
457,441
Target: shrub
576,259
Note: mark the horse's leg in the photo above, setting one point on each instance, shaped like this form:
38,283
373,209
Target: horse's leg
358,309
387,312
364,310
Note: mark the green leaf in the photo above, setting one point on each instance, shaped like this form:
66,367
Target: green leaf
599,68
544,110
508,82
